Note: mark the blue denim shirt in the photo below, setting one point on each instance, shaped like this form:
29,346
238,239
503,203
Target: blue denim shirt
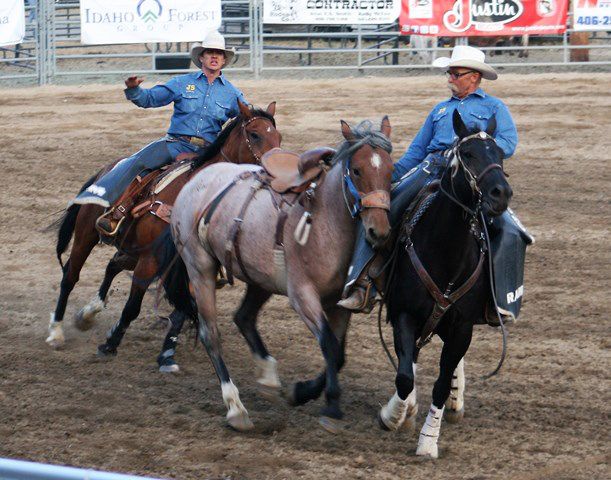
200,108
437,133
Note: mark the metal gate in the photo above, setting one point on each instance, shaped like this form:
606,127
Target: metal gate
52,52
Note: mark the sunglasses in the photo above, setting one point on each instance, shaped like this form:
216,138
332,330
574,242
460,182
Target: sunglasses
456,76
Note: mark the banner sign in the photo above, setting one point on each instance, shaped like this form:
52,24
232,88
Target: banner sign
589,15
12,22
465,18
142,21
331,12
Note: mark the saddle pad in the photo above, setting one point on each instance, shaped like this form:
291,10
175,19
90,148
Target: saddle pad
169,178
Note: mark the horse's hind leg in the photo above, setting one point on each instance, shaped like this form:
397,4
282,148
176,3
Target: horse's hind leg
165,360
85,318
456,344
402,408
246,320
305,391
85,238
143,275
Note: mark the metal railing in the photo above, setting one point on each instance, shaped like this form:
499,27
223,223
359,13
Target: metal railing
20,470
52,49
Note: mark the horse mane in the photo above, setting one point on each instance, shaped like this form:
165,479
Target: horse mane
364,133
220,140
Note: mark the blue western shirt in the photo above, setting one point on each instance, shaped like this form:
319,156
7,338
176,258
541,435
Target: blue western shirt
437,133
200,108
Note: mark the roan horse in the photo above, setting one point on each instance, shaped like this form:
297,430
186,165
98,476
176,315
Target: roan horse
244,140
442,281
311,275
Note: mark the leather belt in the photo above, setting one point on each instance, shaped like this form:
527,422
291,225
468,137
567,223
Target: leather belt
200,142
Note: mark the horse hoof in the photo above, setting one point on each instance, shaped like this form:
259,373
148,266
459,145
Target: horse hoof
383,425
106,352
428,452
331,425
454,416
271,394
54,342
241,423
291,396
171,368
83,321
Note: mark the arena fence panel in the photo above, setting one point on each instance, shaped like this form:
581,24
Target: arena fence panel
52,50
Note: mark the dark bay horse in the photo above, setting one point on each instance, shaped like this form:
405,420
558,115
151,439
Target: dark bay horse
244,140
442,281
356,183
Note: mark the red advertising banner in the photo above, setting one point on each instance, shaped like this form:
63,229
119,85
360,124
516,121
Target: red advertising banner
466,18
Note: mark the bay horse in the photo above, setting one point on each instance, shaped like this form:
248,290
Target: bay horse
442,283
244,140
355,183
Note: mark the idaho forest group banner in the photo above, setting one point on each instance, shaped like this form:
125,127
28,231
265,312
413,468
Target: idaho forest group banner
465,18
12,22
142,21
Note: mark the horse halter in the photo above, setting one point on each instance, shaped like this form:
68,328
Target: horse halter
473,179
360,200
256,156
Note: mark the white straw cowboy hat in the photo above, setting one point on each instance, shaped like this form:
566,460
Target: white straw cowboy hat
467,57
215,41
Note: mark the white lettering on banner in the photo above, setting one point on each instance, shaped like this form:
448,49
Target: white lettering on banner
12,19
334,12
143,21
486,15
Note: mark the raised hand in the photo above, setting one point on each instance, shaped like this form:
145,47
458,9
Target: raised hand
133,82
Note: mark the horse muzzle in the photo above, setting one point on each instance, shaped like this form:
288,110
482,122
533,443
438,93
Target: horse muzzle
497,199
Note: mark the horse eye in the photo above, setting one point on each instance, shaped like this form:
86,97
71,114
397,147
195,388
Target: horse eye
255,136
356,171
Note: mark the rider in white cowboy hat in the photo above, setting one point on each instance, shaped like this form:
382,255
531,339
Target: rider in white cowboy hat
203,102
465,70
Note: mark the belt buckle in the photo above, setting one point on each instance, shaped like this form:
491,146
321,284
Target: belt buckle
200,142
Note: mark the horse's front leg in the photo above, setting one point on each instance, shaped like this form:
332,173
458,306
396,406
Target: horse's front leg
402,408
303,392
246,321
456,344
85,318
305,300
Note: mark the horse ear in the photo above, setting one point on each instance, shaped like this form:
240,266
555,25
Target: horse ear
347,132
271,109
385,128
491,126
244,110
459,126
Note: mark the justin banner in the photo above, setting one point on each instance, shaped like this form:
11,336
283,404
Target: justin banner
142,21
12,22
331,12
465,18
589,15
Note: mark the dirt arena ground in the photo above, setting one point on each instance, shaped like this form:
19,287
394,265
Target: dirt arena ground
545,415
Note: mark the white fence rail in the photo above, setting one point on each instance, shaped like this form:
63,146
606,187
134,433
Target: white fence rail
20,470
52,48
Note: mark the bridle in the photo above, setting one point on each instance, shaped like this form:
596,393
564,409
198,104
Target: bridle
243,131
474,180
360,201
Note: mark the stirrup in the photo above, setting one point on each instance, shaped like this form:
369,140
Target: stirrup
101,230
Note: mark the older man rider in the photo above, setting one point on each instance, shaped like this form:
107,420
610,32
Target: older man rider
424,158
203,102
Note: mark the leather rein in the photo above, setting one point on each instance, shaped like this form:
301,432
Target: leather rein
444,300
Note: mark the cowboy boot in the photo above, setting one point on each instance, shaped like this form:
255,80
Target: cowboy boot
362,297
108,224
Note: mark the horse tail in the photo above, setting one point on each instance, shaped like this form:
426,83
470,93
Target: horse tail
172,272
66,223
